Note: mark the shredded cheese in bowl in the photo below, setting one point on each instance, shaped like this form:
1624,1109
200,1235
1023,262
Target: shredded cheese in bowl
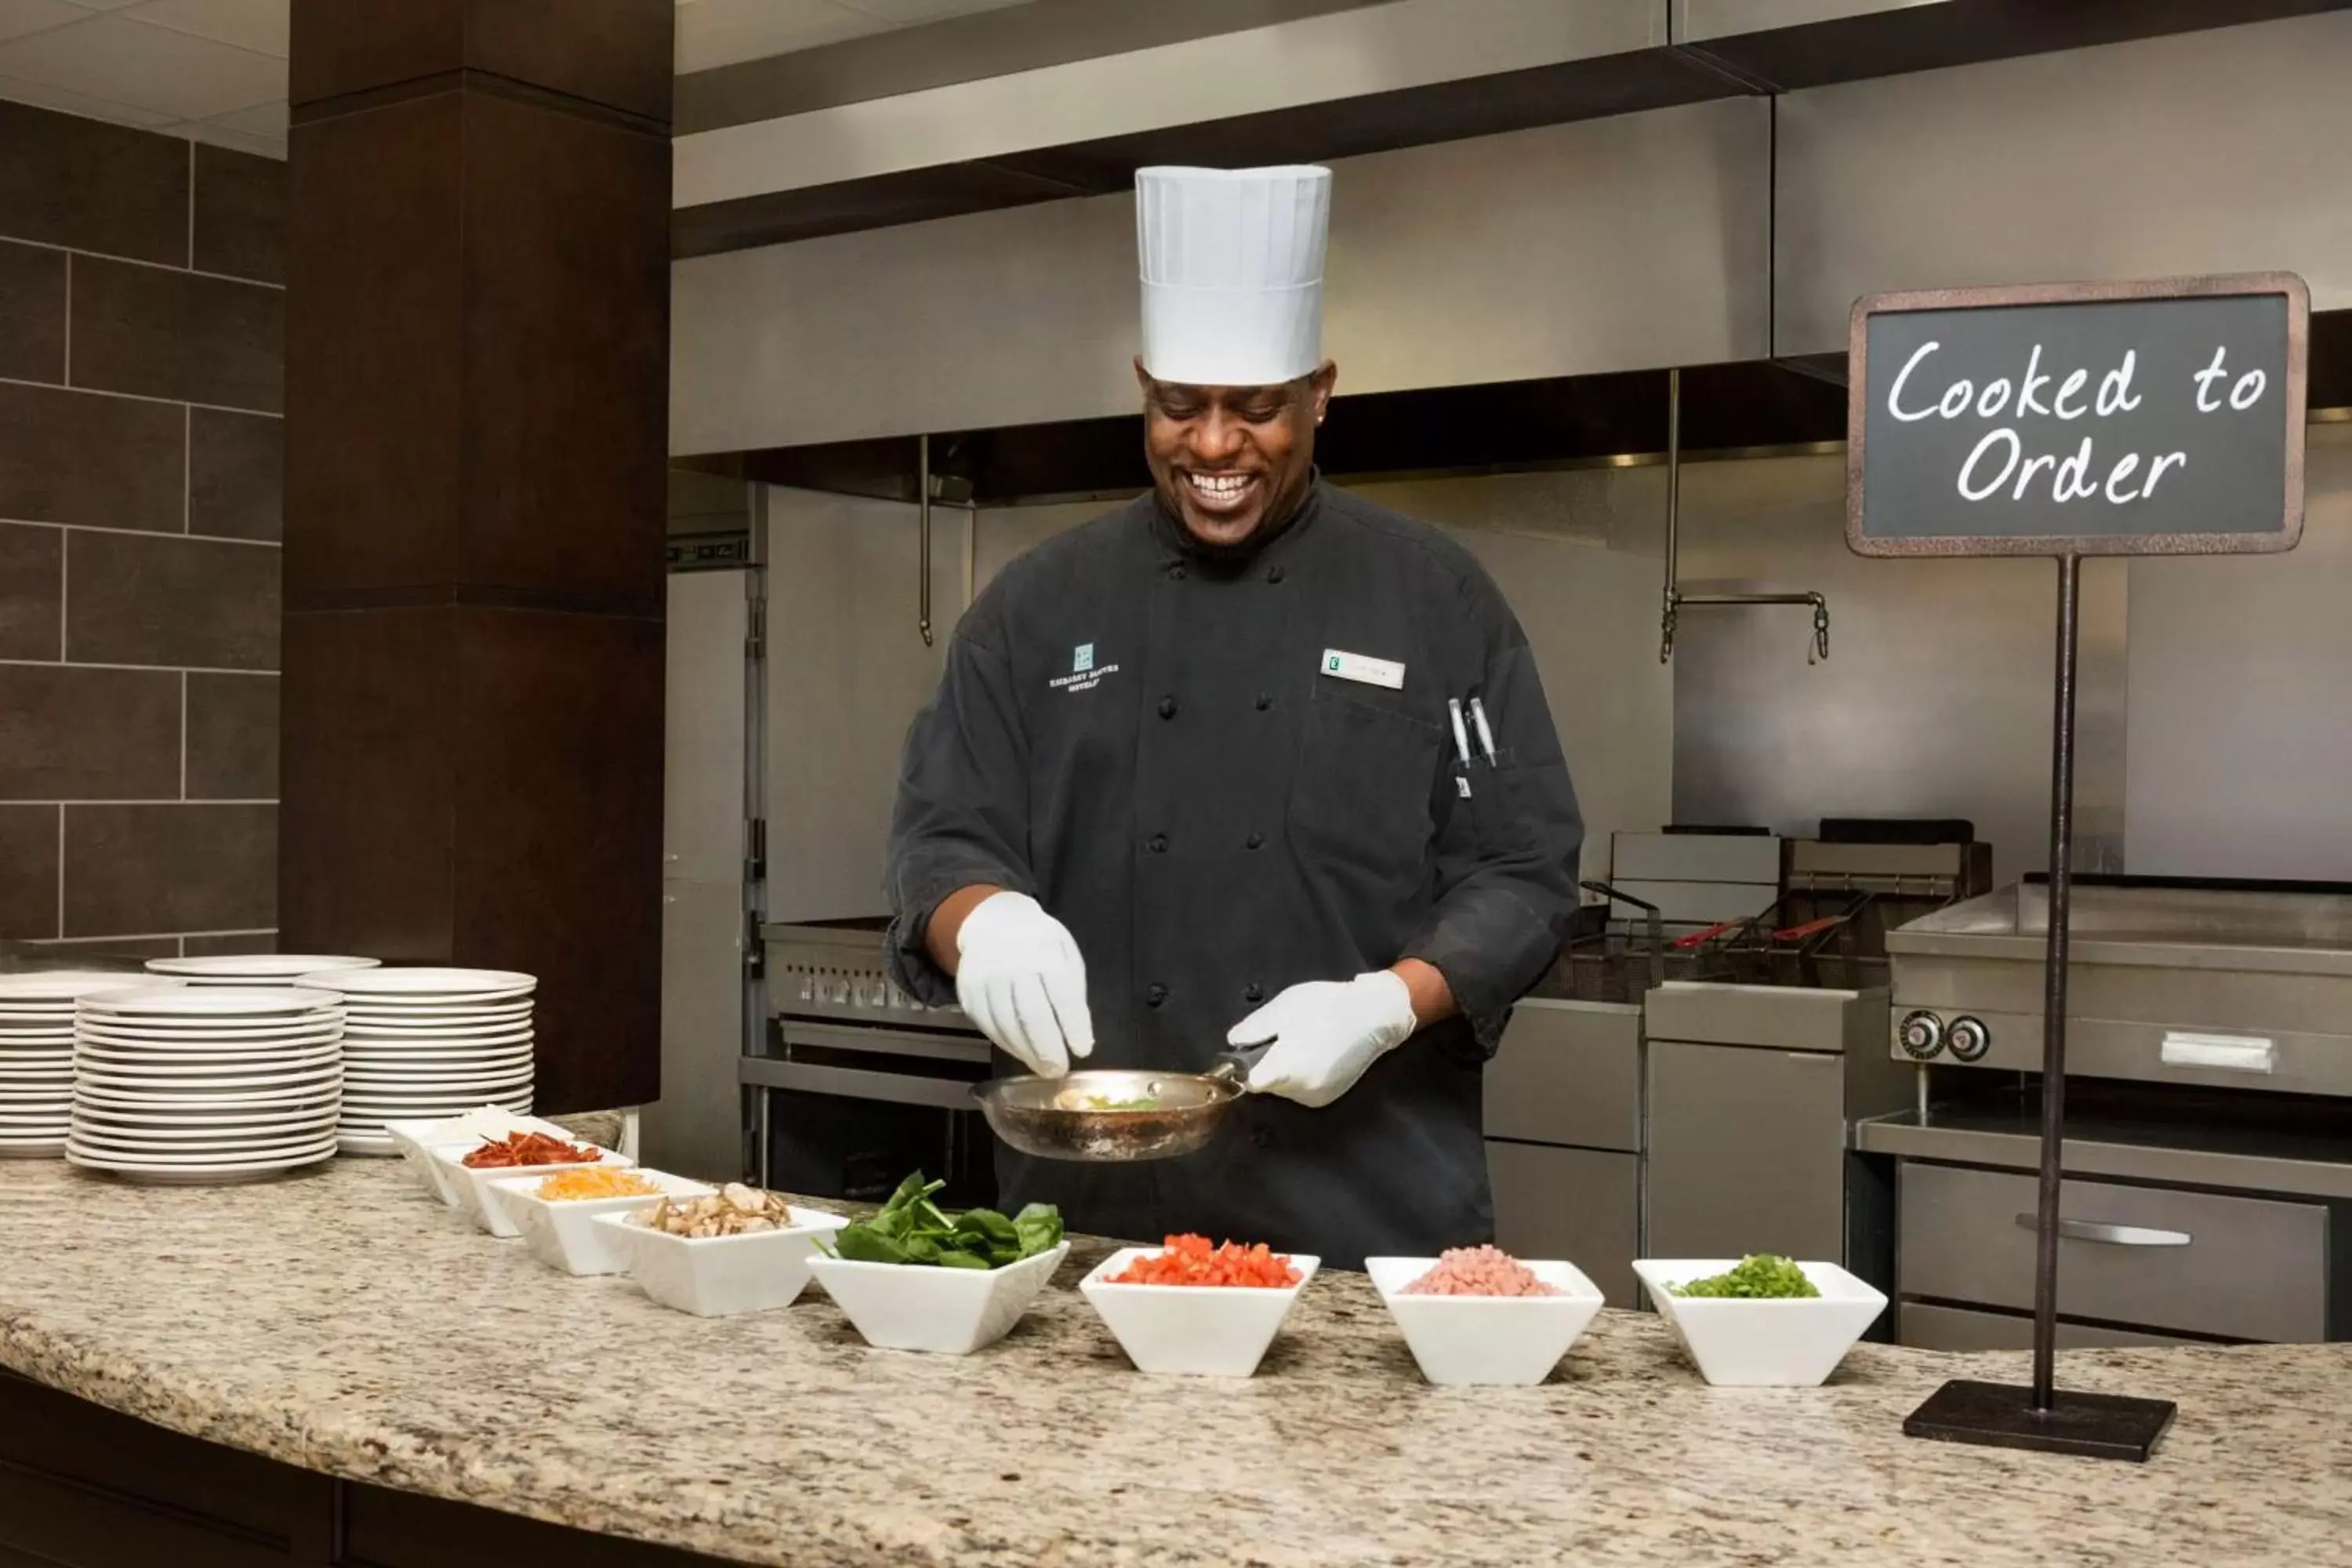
594,1182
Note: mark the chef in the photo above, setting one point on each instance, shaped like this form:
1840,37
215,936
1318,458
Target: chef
1247,761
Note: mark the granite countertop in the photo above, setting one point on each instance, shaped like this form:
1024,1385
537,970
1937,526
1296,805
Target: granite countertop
345,1323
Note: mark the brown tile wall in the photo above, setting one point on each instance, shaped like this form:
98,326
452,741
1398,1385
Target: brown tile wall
141,451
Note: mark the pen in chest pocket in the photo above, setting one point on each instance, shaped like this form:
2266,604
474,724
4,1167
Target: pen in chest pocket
1460,746
1486,736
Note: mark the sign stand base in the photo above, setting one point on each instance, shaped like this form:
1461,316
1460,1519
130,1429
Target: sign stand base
2002,1415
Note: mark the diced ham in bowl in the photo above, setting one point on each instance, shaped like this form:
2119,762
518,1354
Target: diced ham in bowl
1478,1316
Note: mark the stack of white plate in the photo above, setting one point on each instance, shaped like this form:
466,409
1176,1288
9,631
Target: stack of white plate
421,1044
37,1048
254,968
205,1083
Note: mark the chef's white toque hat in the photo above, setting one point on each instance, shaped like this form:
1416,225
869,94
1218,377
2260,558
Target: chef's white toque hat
1232,273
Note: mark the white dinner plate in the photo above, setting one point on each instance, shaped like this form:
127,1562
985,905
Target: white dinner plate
121,1059
394,1073
488,1029
434,1050
258,1049
50,986
441,1082
311,1077
204,1153
423,1108
264,1116
442,1062
217,1108
207,1001
429,1019
191,1173
200,1139
276,1025
222,1066
423,983
26,1065
223,966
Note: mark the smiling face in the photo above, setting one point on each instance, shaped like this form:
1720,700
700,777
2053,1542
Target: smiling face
1228,459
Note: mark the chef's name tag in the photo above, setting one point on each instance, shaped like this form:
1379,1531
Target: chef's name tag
1363,669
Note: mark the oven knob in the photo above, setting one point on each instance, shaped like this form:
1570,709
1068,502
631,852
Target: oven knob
1969,1039
1922,1034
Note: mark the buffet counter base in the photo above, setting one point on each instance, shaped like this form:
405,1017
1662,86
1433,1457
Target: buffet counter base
386,1362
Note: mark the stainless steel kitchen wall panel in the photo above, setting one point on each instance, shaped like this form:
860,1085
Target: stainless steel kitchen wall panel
846,670
1304,60
1605,245
2241,716
1696,21
2167,156
1935,699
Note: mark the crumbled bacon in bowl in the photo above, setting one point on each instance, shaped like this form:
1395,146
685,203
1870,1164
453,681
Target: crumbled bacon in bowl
519,1150
1480,1271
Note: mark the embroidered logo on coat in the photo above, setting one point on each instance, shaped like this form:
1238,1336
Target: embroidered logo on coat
1085,673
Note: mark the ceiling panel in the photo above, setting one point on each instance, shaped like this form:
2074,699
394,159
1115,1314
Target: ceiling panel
18,17
42,95
248,24
906,13
120,61
723,32
263,120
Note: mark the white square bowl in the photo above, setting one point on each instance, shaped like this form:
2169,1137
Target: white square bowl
558,1232
409,1138
922,1307
1194,1331
719,1276
472,1186
1792,1342
1475,1341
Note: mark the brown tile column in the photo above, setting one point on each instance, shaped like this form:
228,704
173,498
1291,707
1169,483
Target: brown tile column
477,393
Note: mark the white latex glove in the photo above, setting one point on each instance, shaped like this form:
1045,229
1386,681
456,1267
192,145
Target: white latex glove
1019,977
1325,1034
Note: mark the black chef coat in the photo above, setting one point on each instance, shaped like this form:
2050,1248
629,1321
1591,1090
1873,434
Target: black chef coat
1140,733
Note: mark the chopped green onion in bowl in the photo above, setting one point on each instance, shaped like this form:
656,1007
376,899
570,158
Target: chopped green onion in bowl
1758,1276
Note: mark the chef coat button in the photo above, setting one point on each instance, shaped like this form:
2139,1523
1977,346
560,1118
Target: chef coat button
1253,993
1274,574
1254,841
1154,995
1156,844
1176,572
1265,701
1167,707
1262,1136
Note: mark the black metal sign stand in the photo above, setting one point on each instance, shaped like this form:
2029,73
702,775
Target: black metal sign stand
1901,485
2104,1425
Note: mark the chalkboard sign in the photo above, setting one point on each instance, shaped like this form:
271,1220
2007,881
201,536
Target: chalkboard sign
2085,419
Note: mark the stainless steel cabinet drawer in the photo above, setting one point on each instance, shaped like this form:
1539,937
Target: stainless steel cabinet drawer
1577,1204
1568,1072
1927,1327
2247,1269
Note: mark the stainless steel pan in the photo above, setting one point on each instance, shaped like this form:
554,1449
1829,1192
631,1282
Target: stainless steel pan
1060,1118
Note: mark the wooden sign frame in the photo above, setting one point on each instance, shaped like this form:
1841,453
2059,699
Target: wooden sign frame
2296,389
